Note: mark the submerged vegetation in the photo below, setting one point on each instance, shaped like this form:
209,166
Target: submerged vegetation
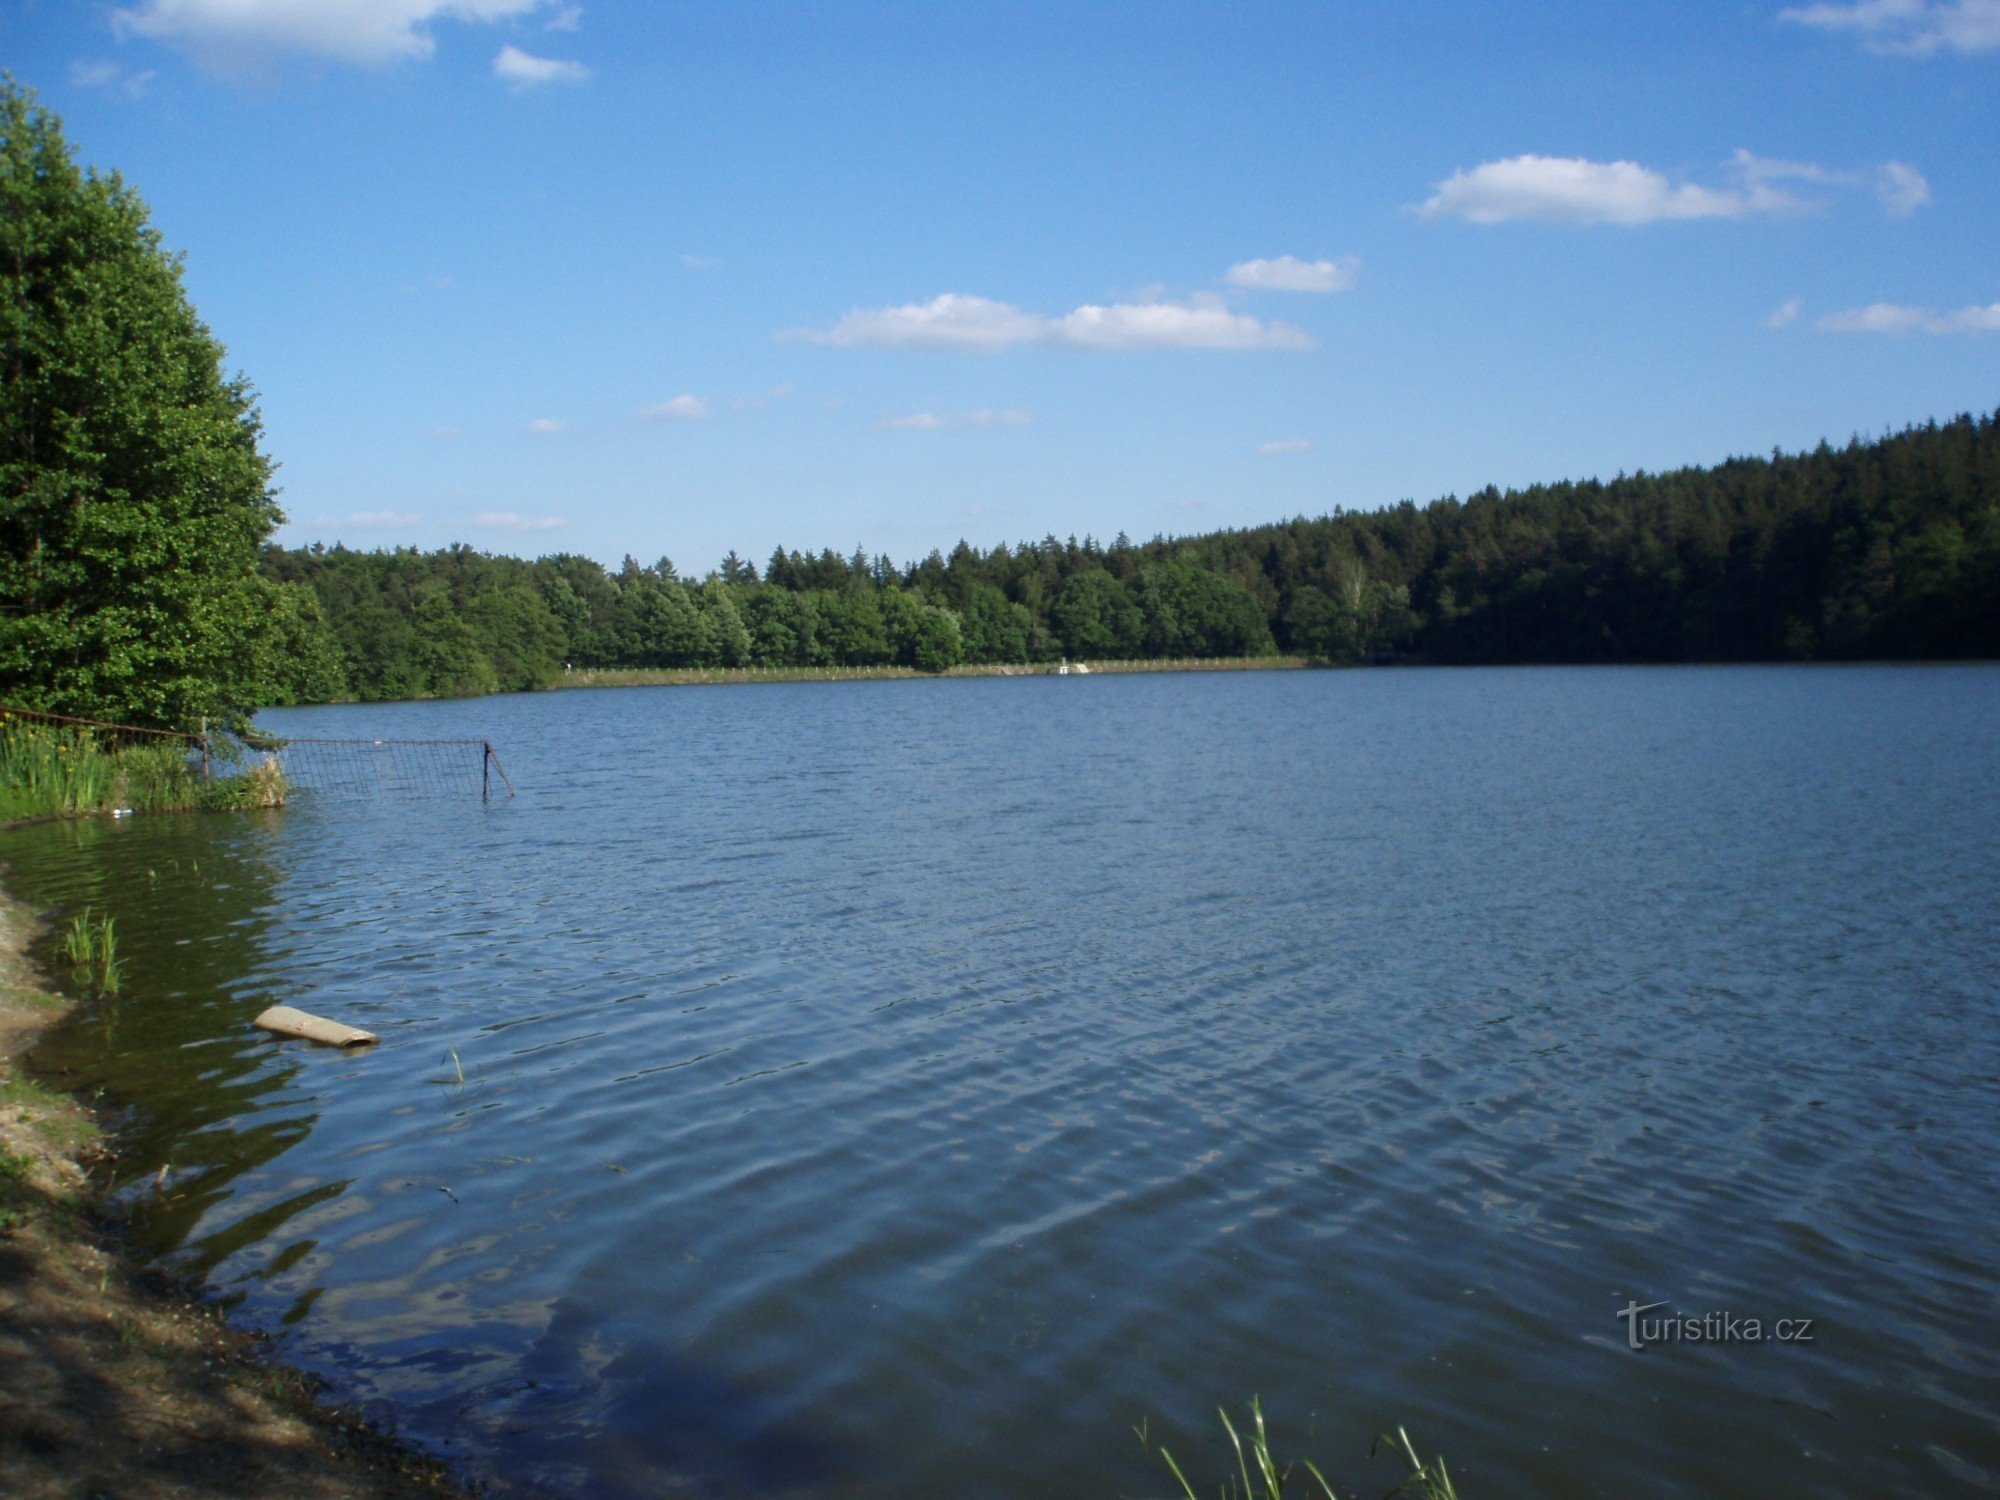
1883,549
91,945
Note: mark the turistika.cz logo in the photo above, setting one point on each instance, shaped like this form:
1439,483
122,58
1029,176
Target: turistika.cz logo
1643,1326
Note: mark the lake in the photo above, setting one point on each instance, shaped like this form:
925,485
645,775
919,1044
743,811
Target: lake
903,1089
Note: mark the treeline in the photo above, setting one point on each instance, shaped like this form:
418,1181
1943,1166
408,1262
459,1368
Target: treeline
1884,549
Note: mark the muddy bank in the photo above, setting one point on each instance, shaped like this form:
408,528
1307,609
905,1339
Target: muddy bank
120,1382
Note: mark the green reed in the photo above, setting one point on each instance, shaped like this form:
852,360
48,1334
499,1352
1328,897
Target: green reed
1260,1476
51,771
90,943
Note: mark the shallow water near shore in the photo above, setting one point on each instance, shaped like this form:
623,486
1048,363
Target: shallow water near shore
903,1088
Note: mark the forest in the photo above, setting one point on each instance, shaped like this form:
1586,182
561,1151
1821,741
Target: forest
1882,549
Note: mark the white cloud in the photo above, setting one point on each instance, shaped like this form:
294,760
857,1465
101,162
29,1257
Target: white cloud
443,432
952,321
109,75
1896,320
378,520
238,33
1786,315
509,520
566,18
957,321
701,262
1571,190
1968,320
1902,189
930,421
545,426
761,400
678,409
1201,323
1289,274
1915,28
524,70
1290,445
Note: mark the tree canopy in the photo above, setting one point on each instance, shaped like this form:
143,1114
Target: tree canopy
134,496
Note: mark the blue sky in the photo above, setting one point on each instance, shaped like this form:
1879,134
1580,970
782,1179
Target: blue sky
677,278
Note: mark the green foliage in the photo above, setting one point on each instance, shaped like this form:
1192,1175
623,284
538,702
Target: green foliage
1192,611
133,495
1095,618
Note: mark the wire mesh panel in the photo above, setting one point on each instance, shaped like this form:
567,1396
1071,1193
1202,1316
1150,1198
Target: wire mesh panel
390,768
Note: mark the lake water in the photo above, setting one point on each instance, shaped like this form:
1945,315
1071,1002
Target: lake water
902,1089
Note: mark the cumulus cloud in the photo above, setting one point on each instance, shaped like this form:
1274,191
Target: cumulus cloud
545,426
930,421
1287,273
511,520
1785,315
236,33
1902,189
1200,323
952,321
378,520
1289,445
959,322
566,18
1572,190
677,409
1896,319
1915,28
524,70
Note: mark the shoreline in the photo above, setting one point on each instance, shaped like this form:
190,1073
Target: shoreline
594,677
118,1379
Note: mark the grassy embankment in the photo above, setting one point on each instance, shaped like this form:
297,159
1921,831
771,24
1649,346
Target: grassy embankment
51,771
689,676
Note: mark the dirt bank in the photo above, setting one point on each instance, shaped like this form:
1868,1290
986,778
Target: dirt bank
119,1383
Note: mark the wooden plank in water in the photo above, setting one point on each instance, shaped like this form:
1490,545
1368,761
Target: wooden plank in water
282,1020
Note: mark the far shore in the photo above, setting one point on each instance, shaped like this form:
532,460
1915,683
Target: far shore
589,677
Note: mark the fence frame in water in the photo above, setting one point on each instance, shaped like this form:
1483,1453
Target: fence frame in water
426,767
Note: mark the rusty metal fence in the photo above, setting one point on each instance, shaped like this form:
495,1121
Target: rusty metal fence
392,767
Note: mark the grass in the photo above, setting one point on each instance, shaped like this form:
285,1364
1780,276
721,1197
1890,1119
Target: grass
51,771
1260,1476
90,943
